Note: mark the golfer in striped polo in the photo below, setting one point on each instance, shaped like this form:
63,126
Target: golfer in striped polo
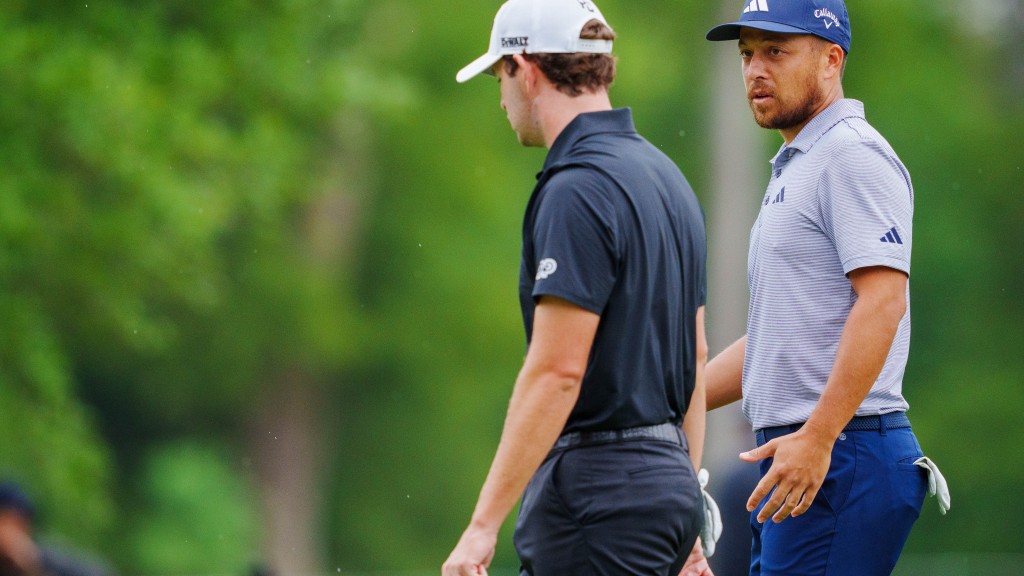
820,369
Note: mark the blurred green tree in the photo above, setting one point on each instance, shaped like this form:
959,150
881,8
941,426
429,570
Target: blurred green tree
179,209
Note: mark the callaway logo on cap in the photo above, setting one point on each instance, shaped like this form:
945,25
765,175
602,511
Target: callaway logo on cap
823,18
538,27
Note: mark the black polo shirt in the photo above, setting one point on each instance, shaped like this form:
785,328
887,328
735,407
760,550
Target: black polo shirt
614,227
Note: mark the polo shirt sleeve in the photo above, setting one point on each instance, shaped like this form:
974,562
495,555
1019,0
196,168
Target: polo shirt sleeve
574,239
867,207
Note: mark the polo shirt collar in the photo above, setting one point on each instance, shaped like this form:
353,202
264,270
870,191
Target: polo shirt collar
819,125
589,123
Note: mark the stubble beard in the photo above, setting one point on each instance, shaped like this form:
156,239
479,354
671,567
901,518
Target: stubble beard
791,116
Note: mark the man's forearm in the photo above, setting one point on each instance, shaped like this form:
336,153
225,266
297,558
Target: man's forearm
694,425
694,422
545,392
538,410
725,375
863,347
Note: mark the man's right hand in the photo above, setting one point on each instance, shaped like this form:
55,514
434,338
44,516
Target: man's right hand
799,466
472,555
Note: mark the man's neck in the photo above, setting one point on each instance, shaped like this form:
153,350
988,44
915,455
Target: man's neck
834,95
558,110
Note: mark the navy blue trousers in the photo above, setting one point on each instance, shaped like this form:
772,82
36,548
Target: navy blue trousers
628,508
861,517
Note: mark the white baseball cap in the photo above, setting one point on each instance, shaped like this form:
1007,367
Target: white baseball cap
539,27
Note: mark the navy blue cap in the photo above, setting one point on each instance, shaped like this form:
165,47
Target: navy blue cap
826,19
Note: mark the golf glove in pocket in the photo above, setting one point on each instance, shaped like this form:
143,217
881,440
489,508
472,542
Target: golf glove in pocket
712,530
936,482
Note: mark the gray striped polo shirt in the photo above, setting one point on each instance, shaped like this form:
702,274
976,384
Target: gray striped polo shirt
839,199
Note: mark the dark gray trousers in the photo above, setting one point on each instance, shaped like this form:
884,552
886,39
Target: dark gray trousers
627,508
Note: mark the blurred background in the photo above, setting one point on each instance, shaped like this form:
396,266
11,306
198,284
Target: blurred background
258,265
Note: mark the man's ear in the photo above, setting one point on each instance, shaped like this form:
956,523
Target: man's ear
531,74
834,59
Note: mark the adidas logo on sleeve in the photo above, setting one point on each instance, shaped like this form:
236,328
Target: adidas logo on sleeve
892,237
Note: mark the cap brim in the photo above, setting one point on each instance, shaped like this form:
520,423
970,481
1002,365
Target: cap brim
731,31
477,66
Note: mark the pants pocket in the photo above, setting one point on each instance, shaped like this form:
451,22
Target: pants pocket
835,490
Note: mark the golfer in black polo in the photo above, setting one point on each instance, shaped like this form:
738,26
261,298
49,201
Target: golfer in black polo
612,288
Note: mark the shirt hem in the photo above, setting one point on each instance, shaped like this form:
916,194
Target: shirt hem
571,298
867,261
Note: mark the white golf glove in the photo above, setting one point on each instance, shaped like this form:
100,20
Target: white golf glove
712,530
936,482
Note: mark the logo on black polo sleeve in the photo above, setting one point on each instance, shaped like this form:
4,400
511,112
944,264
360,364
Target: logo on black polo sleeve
546,268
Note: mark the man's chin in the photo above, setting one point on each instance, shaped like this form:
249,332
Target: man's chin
529,141
762,118
779,121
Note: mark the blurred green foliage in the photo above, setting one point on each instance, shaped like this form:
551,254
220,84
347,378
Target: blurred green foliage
196,514
197,197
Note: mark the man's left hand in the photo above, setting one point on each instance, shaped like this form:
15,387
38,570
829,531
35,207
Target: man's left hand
801,461
696,563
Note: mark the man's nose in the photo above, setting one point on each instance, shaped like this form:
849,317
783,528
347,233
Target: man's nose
755,67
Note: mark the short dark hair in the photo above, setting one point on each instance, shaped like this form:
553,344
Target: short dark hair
574,74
